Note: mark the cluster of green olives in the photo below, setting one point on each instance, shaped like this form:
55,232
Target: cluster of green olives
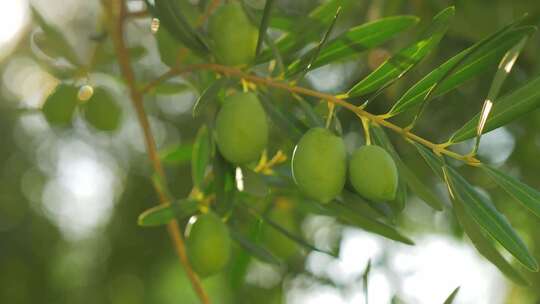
319,163
319,167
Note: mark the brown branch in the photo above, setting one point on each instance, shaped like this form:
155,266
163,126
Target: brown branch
117,16
211,8
381,120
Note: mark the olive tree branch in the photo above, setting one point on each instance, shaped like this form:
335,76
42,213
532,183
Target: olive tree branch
118,14
359,111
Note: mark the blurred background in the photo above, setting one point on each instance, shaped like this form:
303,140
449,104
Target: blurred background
70,197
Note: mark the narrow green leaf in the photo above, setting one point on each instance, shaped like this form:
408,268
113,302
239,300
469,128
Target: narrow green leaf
169,12
484,245
296,238
312,118
507,108
355,41
366,223
396,66
202,153
360,205
251,183
282,119
53,43
306,62
482,242
468,64
452,296
264,25
163,214
223,184
418,187
209,95
527,196
365,281
177,155
254,249
493,222
305,31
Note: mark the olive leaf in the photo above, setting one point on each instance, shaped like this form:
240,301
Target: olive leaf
163,214
360,220
527,196
53,43
482,211
396,66
287,123
354,41
452,296
201,155
254,249
467,64
171,17
177,155
507,108
210,95
484,244
264,25
305,31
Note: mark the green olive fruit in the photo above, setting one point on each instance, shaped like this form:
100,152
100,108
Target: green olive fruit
277,243
319,164
60,105
208,244
234,37
373,173
101,111
241,128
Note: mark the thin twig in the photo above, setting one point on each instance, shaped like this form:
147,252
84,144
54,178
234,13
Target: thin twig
211,8
117,16
377,119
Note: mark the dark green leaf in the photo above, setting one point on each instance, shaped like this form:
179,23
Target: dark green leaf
356,40
484,244
306,62
418,187
360,220
163,214
210,95
223,184
53,43
281,119
169,12
467,64
506,109
312,118
396,66
177,155
295,238
264,25
529,197
251,183
202,153
254,249
452,296
305,31
493,222
365,280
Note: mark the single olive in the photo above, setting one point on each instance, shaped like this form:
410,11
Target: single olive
373,173
234,37
208,244
241,128
276,242
60,105
319,164
101,111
